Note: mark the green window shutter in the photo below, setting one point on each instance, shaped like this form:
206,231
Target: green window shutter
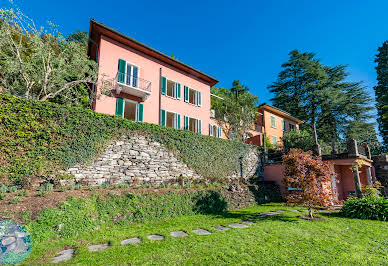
210,130
139,114
198,98
178,91
164,85
186,123
186,92
273,123
120,106
199,126
178,122
163,117
219,129
121,72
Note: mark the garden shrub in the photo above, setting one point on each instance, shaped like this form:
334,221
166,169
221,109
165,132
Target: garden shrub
39,138
374,208
79,215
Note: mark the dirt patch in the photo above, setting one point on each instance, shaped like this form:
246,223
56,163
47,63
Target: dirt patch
315,218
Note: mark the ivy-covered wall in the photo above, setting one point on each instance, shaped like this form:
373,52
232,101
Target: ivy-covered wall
38,139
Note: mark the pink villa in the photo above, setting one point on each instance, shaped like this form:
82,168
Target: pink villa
142,84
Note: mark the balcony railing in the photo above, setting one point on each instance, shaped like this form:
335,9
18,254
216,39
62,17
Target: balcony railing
132,85
133,81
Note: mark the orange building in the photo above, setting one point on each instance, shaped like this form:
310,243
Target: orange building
272,123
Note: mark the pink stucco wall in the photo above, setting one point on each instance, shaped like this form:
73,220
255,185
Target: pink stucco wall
111,51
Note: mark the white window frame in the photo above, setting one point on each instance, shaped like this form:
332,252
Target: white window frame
131,75
174,90
217,133
195,96
274,140
136,107
175,122
284,125
196,124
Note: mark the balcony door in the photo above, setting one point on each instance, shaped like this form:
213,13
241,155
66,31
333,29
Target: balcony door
132,75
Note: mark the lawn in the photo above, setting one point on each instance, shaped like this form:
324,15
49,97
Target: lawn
281,239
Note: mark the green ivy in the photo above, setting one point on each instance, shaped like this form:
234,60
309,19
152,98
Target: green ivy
39,138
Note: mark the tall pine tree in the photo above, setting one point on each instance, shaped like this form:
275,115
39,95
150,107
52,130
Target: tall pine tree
381,91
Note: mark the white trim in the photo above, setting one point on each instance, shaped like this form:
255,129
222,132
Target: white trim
136,108
175,122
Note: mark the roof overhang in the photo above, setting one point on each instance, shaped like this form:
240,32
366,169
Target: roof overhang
280,112
97,29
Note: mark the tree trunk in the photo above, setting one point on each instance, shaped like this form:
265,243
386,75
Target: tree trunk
311,213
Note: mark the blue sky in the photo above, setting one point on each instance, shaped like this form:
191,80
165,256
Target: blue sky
245,40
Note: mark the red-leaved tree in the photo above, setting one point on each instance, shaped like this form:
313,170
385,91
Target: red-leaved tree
309,180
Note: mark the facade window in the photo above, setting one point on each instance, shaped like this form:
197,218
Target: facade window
171,88
273,122
274,141
215,131
192,124
284,125
128,74
292,127
192,96
170,119
130,110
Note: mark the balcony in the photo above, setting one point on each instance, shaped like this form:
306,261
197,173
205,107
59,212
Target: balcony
132,85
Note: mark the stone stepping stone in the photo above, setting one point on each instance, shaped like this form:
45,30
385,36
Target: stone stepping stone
281,211
269,213
178,234
63,255
237,225
293,210
247,222
221,228
99,247
201,232
324,211
133,240
155,237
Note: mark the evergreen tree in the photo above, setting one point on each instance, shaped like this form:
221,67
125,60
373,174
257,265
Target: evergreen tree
319,94
381,91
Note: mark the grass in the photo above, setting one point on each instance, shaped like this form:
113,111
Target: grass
281,239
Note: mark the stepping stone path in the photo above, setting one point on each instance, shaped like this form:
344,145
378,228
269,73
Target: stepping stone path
178,234
201,232
155,237
63,255
221,228
324,211
237,225
99,247
67,254
247,222
133,240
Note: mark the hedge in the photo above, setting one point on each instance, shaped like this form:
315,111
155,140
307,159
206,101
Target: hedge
39,138
373,208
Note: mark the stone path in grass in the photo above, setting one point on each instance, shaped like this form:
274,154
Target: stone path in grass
67,254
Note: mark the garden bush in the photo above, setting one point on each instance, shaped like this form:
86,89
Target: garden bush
39,138
374,208
77,215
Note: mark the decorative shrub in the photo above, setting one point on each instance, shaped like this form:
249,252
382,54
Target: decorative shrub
298,139
310,178
374,208
39,138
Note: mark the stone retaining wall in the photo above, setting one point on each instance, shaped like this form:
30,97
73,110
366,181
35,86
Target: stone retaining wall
136,159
